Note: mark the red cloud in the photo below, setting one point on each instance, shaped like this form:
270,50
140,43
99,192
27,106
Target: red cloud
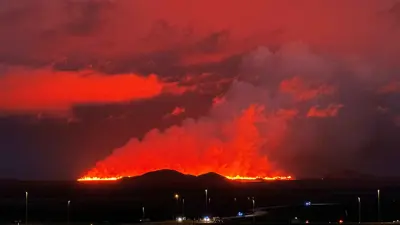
301,91
331,111
47,90
393,87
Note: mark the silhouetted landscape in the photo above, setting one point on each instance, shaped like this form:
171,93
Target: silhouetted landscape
122,201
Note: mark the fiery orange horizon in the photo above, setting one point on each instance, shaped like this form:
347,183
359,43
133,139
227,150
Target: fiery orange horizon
237,177
231,147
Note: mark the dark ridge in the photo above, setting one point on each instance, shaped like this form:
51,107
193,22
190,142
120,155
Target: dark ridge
212,179
211,175
171,178
160,178
349,175
165,172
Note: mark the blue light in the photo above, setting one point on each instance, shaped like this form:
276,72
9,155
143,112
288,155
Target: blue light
307,203
240,214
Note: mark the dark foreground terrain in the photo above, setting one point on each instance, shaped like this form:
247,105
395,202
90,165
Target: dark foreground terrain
122,201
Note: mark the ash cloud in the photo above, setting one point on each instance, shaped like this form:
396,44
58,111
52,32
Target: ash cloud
346,133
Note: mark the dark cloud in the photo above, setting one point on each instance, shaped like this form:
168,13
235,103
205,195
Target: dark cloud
395,11
87,17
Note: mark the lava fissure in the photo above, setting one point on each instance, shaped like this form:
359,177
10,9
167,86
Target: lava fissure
238,178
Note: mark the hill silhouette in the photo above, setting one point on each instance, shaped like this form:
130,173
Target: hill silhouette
349,175
172,178
212,179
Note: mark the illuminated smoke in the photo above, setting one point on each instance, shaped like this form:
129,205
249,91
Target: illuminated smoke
392,87
330,111
301,92
177,111
44,90
243,128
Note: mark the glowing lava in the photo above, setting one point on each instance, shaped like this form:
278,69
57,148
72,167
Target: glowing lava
259,178
238,178
234,147
99,178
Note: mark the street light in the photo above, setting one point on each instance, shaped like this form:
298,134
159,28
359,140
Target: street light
176,196
359,210
26,207
254,216
379,205
206,198
252,200
235,205
183,207
68,203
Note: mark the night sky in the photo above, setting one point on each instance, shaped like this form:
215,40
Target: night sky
305,87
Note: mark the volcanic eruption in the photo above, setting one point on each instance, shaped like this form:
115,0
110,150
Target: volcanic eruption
242,129
229,147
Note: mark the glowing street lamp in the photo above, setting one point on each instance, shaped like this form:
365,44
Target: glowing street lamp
254,202
26,207
68,204
176,196
379,205
206,191
359,210
254,216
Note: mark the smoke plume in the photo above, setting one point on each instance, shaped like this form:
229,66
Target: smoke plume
264,125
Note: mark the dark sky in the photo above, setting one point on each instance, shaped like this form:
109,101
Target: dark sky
306,87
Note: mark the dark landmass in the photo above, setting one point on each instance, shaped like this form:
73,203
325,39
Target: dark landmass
171,179
350,174
122,200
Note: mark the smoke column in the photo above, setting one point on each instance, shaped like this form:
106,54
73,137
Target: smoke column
248,132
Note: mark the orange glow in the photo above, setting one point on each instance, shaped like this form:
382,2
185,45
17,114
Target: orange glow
237,178
231,147
99,178
55,91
